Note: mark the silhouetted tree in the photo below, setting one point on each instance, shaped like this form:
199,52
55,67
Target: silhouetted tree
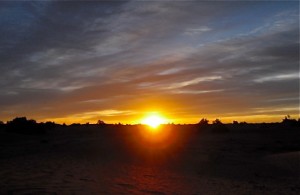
287,121
100,122
235,122
217,121
243,123
219,127
203,123
22,125
49,125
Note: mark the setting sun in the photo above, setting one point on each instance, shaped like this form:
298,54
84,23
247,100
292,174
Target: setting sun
153,121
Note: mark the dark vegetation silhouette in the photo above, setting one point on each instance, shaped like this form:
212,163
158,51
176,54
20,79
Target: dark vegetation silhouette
75,125
203,123
22,125
288,121
102,123
219,127
216,127
235,122
1,124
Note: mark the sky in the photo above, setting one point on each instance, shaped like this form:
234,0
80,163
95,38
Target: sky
119,61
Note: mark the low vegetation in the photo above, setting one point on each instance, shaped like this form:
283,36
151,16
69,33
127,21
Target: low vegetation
22,125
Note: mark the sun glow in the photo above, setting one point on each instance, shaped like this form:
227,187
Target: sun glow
153,121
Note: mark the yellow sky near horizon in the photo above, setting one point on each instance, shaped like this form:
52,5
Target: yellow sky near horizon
190,120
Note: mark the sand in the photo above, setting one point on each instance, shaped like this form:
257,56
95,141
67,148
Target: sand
90,161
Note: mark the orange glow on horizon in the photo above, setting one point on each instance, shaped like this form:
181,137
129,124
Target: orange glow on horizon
171,118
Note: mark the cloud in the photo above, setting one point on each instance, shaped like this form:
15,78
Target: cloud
279,77
123,55
194,81
198,92
103,113
197,31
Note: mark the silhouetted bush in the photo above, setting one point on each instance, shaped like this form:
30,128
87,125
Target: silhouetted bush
75,125
24,126
216,122
203,123
1,124
235,122
219,127
287,121
243,123
48,125
100,122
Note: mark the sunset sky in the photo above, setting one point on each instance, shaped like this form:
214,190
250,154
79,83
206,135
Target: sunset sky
119,61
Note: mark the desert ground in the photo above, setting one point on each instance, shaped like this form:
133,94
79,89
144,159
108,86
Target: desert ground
177,159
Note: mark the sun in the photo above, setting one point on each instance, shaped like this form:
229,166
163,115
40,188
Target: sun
153,121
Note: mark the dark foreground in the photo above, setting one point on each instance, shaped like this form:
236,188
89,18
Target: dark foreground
130,160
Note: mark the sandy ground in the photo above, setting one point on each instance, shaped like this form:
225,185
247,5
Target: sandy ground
89,161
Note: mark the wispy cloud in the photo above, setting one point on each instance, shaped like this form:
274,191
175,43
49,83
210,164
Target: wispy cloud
278,77
193,82
119,57
197,31
104,113
198,91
